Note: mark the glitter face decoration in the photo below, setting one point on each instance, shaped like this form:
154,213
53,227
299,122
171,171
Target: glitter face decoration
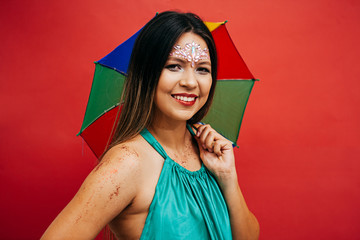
192,52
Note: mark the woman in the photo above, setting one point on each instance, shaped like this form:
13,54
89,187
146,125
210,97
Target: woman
159,179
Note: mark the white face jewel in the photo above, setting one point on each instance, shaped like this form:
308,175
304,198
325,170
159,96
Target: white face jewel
192,52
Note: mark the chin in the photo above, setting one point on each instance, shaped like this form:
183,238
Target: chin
182,116
174,113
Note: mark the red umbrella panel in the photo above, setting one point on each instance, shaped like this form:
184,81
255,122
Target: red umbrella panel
234,86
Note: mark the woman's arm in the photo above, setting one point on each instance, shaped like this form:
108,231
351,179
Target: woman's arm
108,189
244,224
217,154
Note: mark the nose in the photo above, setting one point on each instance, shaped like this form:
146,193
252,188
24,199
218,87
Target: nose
189,79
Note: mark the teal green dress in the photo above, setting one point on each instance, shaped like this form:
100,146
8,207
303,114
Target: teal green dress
186,205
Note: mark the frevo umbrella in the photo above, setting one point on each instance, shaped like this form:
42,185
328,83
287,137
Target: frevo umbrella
233,88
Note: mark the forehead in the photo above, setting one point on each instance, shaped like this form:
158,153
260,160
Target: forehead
190,37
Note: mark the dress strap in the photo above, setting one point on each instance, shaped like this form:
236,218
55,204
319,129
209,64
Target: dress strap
190,129
153,142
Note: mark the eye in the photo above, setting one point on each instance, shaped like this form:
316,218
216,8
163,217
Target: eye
203,70
173,67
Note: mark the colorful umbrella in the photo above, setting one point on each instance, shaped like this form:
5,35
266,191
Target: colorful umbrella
233,88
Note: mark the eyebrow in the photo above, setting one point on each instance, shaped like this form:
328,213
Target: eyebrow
177,59
204,63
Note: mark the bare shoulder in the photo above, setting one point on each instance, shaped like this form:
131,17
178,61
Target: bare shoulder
124,156
111,186
121,163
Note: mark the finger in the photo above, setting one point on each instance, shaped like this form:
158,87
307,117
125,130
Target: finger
196,126
204,131
199,129
225,145
198,136
222,145
202,150
210,141
217,148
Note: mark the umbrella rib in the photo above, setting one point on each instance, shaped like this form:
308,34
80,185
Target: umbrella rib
107,110
113,127
113,68
242,116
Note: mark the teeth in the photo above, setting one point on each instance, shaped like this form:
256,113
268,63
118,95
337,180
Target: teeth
185,99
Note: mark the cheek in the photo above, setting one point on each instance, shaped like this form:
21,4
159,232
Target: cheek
206,86
166,82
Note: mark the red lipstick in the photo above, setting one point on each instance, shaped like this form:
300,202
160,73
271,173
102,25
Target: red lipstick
185,98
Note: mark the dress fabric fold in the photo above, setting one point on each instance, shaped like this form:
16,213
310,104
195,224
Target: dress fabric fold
186,204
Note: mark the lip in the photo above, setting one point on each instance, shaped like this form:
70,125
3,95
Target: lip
185,95
183,98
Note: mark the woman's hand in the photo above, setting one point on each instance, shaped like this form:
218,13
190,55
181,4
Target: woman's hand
217,154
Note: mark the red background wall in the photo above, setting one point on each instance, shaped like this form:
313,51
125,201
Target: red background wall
298,159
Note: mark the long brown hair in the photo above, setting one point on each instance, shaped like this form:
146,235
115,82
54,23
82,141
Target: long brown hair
149,55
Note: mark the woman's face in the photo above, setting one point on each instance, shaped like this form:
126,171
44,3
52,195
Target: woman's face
185,81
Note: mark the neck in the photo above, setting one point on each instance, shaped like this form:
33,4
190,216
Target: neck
172,135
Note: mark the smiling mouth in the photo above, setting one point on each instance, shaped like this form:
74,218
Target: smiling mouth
185,100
